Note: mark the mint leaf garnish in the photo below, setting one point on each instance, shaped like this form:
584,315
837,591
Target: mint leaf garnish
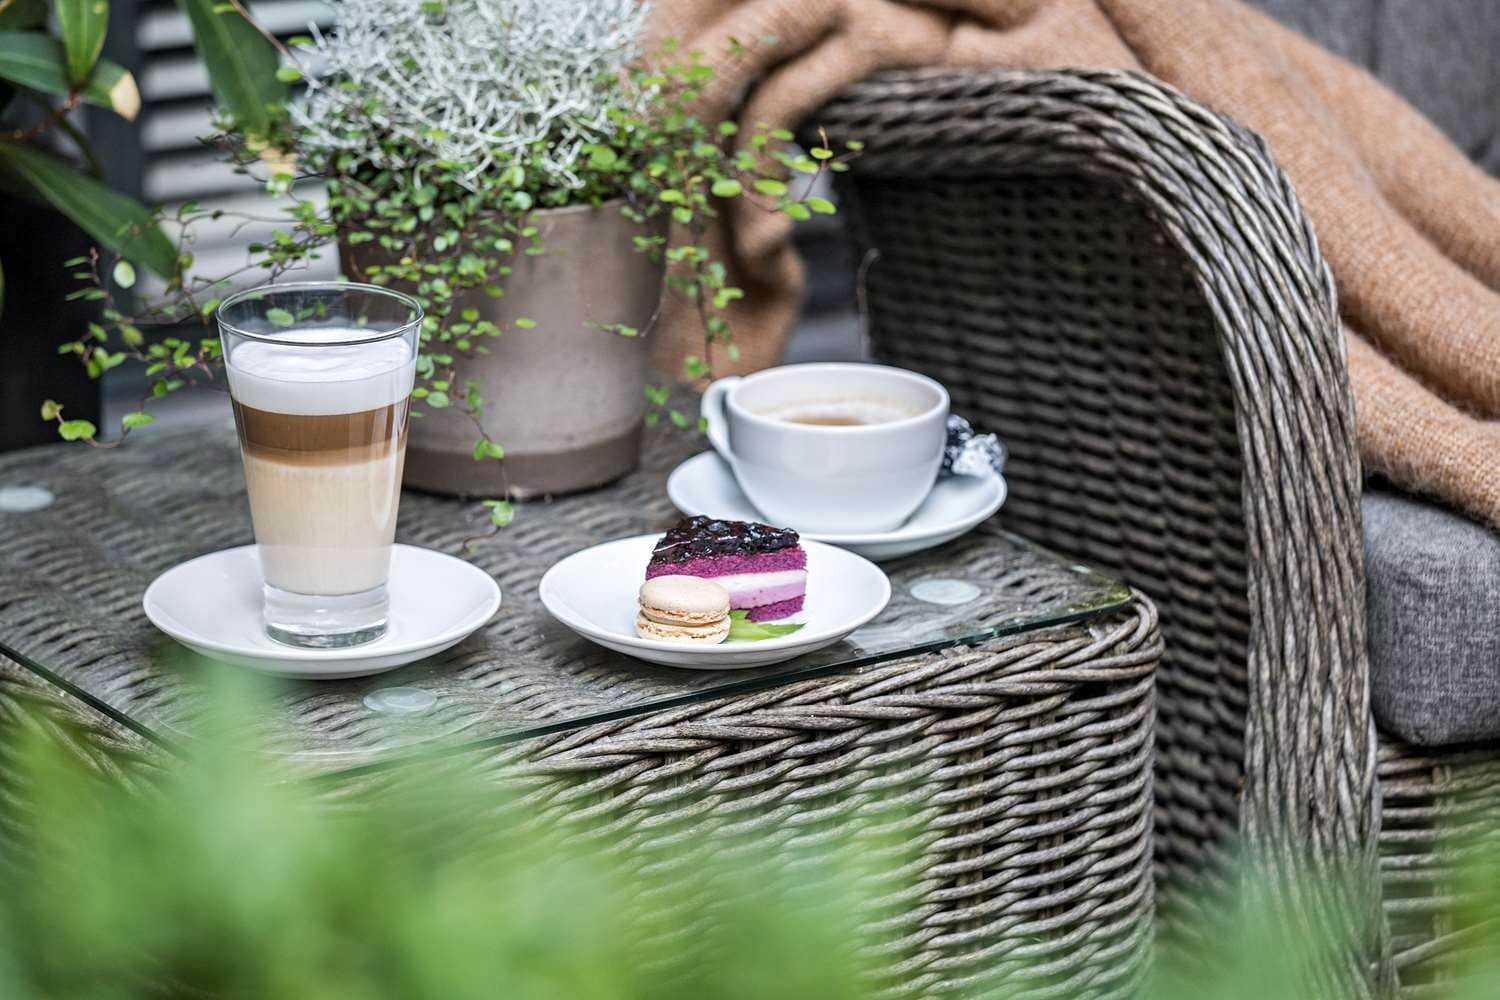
742,629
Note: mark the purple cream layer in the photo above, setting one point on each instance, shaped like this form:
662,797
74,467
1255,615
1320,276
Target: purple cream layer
758,562
771,612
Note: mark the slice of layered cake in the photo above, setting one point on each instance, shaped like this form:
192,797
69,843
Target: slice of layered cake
763,568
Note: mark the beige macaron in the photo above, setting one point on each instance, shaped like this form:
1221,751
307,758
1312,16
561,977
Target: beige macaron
683,609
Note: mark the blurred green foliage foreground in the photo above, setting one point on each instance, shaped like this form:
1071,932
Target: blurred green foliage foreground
222,877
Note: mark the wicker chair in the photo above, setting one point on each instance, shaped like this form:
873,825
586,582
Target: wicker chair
1123,285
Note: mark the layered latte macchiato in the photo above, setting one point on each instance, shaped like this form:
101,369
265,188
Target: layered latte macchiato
324,435
320,376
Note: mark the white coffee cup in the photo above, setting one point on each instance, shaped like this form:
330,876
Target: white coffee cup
830,479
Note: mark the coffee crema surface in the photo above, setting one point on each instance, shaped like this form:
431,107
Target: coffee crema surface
842,412
323,432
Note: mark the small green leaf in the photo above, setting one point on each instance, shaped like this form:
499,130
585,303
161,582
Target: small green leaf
437,400
502,512
728,187
728,128
140,418
782,135
50,409
280,317
525,323
602,157
772,187
485,448
74,430
855,145
671,197
682,215
798,211
124,273
288,74
821,205
821,153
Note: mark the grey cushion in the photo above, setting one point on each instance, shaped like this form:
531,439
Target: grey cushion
1434,621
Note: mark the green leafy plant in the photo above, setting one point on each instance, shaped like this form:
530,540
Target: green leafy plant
438,131
45,76
222,875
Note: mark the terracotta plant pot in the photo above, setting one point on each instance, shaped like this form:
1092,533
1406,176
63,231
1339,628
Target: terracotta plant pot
565,398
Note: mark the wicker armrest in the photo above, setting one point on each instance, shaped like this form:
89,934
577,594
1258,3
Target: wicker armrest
1123,284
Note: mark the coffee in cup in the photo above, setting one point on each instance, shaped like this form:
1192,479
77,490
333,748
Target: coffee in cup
831,448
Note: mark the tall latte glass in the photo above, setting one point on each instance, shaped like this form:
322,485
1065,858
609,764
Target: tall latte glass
320,375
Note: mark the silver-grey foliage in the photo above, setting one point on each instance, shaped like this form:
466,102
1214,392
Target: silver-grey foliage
403,83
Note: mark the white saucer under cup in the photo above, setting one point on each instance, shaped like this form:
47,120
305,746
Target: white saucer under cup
213,606
594,593
957,504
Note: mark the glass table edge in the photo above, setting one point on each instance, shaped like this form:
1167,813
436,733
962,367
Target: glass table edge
1116,596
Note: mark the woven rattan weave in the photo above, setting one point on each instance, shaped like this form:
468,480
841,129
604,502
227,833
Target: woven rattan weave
1122,284
1020,763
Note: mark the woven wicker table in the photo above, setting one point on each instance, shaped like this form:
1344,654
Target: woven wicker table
1005,698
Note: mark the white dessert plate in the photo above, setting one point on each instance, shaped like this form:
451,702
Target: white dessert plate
704,484
212,605
594,592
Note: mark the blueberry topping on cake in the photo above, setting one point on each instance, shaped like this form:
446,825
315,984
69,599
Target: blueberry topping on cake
764,568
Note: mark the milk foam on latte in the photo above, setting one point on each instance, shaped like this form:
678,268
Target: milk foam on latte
323,432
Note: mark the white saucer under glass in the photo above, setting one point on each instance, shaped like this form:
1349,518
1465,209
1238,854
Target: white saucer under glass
594,593
213,606
704,484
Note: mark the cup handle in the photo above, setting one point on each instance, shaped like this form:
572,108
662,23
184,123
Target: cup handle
715,419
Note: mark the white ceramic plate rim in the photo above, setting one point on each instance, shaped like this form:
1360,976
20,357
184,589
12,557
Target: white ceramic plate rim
378,648
905,533
558,608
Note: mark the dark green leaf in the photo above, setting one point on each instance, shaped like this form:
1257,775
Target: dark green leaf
82,24
18,15
241,63
34,60
117,222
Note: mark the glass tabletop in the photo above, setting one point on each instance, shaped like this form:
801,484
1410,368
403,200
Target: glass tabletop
84,531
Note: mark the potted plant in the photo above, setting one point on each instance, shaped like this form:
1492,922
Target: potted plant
515,165
56,197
